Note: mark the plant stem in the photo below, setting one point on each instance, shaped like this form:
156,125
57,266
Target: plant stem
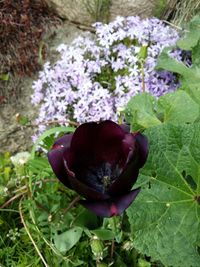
71,204
29,234
114,228
12,199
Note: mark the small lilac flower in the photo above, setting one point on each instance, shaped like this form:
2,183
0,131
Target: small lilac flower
96,75
101,162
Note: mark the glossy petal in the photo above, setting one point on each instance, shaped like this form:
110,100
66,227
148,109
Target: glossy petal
143,148
129,176
128,146
96,142
55,157
113,207
64,141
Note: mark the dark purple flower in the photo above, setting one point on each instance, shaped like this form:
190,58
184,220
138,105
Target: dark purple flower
101,162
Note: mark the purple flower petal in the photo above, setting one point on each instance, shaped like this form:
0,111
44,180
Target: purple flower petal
125,127
143,148
113,207
97,142
55,157
64,141
129,176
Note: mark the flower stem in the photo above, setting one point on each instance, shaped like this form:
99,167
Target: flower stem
113,223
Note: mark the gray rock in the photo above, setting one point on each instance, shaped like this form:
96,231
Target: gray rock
86,12
15,137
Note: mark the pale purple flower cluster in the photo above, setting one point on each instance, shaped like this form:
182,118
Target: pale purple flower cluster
97,75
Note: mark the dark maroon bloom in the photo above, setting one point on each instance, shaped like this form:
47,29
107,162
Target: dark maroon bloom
101,162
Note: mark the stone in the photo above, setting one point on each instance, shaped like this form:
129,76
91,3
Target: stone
15,137
86,12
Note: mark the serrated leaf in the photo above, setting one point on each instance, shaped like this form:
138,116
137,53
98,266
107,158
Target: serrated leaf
178,107
165,218
144,111
65,241
193,91
140,112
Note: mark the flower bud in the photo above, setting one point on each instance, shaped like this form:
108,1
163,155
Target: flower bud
97,248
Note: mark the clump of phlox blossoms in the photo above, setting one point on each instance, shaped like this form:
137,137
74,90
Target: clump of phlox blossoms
97,75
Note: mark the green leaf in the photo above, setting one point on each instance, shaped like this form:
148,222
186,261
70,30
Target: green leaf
143,263
195,55
87,220
39,165
104,234
192,35
47,133
65,241
166,62
144,111
178,107
140,112
193,91
165,218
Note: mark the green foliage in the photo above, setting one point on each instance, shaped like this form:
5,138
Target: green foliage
48,137
189,76
65,241
104,234
42,225
165,218
192,36
65,237
5,168
144,110
140,112
40,166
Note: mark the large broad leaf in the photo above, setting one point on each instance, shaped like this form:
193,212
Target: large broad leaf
165,218
178,107
193,90
196,54
166,62
192,35
140,112
144,111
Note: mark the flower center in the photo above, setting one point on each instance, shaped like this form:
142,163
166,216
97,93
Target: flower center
101,177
